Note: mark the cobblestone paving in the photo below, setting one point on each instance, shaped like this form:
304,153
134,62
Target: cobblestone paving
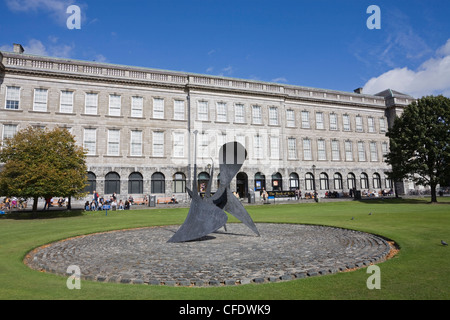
232,257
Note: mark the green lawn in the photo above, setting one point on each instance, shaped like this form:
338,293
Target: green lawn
420,271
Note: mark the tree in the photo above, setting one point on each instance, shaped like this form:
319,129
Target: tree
419,143
42,163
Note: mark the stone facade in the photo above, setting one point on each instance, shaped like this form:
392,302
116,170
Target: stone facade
142,121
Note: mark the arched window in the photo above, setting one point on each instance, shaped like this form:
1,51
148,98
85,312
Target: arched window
293,181
203,180
277,182
364,181
91,183
376,181
388,182
309,181
260,181
112,183
323,179
351,181
179,182
135,183
337,181
158,183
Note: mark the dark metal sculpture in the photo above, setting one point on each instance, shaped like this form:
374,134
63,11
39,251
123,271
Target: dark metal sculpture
207,214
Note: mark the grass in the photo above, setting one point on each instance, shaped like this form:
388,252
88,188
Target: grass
421,270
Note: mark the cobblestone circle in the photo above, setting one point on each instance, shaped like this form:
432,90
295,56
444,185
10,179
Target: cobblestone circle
232,257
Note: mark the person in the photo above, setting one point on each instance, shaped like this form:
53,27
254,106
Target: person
47,203
95,198
264,195
127,205
173,200
146,200
120,205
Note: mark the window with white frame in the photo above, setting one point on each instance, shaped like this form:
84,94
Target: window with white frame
178,110
136,143
221,112
12,98
335,154
257,147
113,142
91,103
305,120
274,147
158,144
348,151
319,121
257,114
384,148
241,139
371,124
273,116
321,150
359,124
221,140
158,108
66,102
40,100
90,141
373,151
307,153
361,151
290,118
382,124
292,148
203,147
178,144
202,110
115,104
346,122
239,113
333,121
9,130
137,107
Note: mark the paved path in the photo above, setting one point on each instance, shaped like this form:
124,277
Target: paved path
232,257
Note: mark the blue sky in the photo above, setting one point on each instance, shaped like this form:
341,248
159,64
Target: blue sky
321,43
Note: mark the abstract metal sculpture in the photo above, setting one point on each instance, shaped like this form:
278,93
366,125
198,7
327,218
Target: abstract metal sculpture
207,214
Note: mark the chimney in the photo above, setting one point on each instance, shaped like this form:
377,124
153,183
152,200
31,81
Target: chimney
18,48
359,90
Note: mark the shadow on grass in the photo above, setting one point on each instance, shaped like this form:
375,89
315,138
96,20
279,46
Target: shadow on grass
32,215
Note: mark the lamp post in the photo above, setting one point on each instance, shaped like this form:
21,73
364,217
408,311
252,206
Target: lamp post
314,182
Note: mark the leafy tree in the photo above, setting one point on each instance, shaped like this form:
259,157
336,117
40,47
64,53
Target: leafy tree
42,163
419,143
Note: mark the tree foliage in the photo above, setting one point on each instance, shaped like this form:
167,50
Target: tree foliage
42,163
419,143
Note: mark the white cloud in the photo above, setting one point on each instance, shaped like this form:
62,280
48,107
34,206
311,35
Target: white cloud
279,79
36,47
431,78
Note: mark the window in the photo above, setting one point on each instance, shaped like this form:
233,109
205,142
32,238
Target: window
361,151
348,151
257,116
260,181
293,181
9,130
359,124
337,181
114,105
40,100
388,182
202,110
335,154
309,181
158,144
239,113
112,183
91,183
307,154
346,122
158,183
371,124
273,116
257,147
376,181
382,124
91,103
277,182
333,121
113,142
351,181
290,118
305,120
66,102
179,182
274,147
137,107
323,181
221,140
203,141
12,98
321,152
135,183
384,149
319,121
178,144
292,148
158,108
203,180
136,143
221,112
90,141
364,181
178,110
240,139
373,151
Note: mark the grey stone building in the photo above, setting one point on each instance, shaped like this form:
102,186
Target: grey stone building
137,125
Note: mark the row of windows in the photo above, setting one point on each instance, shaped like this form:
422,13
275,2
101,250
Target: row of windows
335,121
158,182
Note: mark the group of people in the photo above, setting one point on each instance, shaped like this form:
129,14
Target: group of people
98,202
10,203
